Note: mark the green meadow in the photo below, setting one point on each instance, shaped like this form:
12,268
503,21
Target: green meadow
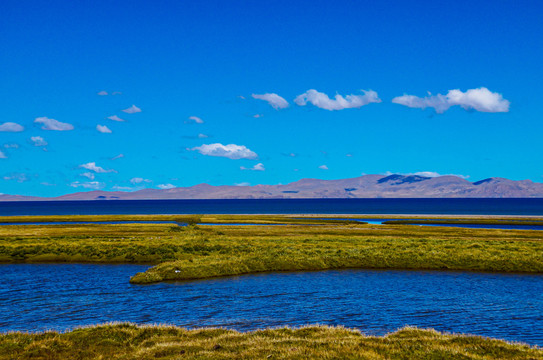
278,243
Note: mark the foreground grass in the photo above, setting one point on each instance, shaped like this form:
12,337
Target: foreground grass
128,341
195,252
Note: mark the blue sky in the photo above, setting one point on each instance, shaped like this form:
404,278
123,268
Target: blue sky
178,59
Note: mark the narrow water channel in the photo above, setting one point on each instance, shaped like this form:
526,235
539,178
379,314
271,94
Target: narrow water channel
37,297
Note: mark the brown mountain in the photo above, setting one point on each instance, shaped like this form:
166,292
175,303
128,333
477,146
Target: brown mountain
367,186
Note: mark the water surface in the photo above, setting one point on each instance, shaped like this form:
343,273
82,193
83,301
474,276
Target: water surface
37,297
522,206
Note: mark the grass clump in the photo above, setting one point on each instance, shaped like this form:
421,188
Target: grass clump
129,341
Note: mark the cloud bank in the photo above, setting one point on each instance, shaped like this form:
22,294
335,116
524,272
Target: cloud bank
276,101
2,155
11,127
480,99
52,124
95,185
231,151
321,100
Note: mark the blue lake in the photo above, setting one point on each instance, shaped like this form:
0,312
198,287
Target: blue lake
37,297
523,206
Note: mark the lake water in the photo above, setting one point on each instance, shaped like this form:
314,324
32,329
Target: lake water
527,206
37,297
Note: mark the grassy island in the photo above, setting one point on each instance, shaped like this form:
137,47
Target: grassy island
277,243
128,341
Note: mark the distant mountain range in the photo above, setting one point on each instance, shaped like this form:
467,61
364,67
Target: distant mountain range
367,186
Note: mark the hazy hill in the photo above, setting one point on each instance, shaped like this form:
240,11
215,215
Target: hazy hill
367,186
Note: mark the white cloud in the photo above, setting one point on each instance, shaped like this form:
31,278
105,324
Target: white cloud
116,93
323,167
11,146
480,99
115,118
52,124
132,110
138,180
97,169
257,167
117,157
242,184
103,129
196,119
257,116
95,185
2,155
430,174
322,100
11,127
231,151
276,101
202,136
88,175
38,141
166,186
102,93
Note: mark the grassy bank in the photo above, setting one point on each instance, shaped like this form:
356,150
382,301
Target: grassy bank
127,341
195,252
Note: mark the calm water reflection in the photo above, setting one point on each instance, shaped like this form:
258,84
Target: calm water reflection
508,306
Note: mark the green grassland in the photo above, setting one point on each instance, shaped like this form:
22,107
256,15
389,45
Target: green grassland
203,251
127,341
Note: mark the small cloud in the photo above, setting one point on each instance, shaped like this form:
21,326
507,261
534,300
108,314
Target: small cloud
231,151
11,127
116,93
323,167
289,154
102,93
480,99
103,129
19,177
97,169
132,110
117,157
115,118
202,136
242,184
52,124
2,155
322,100
47,184
257,167
257,116
166,186
138,180
11,146
95,185
276,101
88,175
38,141
430,174
196,119
349,155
